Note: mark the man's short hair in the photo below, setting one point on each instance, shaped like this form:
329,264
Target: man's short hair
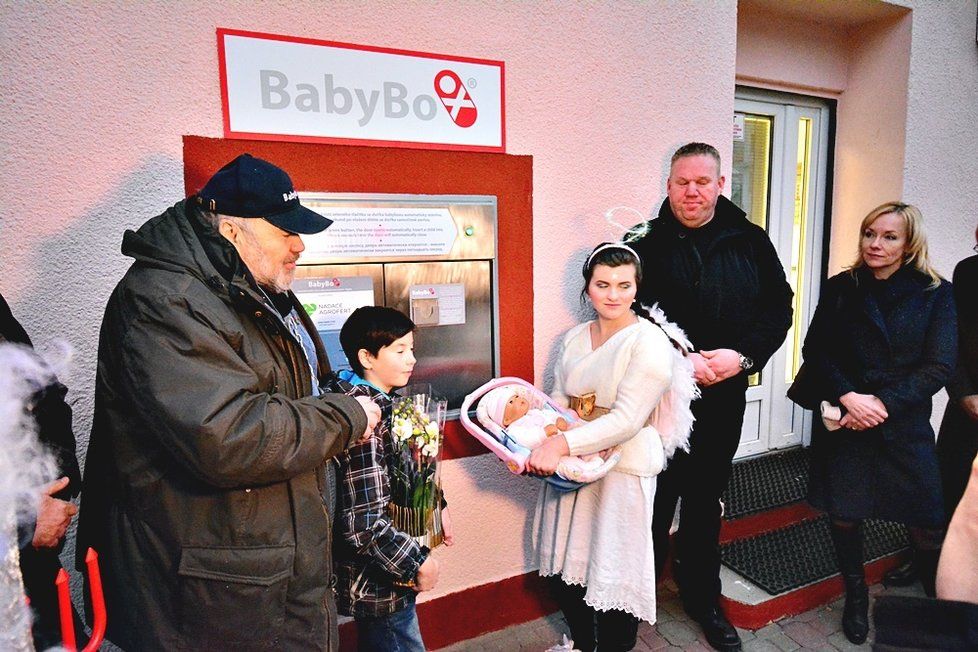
372,328
696,149
214,220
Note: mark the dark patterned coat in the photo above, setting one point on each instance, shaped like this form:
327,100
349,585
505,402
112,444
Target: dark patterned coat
895,339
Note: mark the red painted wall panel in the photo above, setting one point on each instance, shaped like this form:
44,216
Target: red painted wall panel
338,168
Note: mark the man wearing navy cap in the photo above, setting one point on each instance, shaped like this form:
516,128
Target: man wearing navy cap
206,476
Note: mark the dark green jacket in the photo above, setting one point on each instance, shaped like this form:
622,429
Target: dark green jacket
203,488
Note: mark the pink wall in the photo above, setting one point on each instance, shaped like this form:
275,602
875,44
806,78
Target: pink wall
862,64
98,95
778,51
872,131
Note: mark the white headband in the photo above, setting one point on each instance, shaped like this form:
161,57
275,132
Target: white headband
611,245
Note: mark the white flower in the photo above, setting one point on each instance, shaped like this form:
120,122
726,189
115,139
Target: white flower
430,449
431,429
402,429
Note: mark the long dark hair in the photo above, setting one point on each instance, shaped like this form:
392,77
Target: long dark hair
616,254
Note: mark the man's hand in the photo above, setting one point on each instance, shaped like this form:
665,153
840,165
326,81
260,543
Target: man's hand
53,516
969,404
865,411
544,458
447,529
725,363
427,575
373,416
701,370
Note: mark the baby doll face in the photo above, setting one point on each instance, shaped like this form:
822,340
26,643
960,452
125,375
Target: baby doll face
517,406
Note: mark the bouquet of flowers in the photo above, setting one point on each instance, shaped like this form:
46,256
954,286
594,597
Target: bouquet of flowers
415,507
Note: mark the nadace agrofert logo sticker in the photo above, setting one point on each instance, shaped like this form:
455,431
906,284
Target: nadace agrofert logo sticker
302,89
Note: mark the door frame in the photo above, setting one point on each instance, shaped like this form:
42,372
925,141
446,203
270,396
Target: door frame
781,423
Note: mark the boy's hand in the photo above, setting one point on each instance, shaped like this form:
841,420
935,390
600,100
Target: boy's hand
373,416
447,529
427,575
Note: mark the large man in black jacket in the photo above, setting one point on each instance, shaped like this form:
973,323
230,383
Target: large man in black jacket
718,276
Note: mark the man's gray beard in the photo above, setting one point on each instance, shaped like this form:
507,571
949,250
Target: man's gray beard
271,282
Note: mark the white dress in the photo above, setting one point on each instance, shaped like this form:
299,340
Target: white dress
600,536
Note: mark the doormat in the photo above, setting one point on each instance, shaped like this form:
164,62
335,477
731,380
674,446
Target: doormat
766,482
802,553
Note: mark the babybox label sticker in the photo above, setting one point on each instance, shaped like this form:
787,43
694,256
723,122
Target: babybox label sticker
289,88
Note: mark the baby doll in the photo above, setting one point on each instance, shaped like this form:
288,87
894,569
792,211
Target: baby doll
509,408
529,428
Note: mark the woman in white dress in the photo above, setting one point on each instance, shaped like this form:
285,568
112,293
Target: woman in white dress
626,374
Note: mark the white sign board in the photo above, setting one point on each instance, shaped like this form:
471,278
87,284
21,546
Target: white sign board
297,89
438,305
329,301
359,231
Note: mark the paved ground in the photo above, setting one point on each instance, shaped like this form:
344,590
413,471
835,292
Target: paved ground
818,629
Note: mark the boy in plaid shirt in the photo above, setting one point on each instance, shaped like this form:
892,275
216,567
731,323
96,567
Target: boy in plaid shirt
371,555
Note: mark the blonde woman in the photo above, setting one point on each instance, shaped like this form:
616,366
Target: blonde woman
881,344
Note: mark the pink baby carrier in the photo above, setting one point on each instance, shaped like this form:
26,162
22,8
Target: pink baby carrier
494,437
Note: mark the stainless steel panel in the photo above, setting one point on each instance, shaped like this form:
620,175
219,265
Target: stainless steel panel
454,358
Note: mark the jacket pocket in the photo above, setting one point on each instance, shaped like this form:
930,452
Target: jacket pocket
234,597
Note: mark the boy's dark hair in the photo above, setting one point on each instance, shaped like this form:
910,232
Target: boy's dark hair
372,328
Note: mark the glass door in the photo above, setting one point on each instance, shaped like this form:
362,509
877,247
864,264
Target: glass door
778,177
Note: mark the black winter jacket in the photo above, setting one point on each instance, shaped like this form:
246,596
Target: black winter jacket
203,489
733,296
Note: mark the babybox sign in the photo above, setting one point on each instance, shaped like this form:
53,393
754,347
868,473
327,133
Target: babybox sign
287,88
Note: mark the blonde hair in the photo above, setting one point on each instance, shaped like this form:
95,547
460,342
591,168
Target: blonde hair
916,247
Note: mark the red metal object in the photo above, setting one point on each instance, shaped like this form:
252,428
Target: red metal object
98,606
64,608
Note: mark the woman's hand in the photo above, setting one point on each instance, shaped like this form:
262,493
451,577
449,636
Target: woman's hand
544,458
864,411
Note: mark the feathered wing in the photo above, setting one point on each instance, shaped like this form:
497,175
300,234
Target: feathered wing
673,418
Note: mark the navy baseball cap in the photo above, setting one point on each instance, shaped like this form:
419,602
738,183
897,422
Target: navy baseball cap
251,187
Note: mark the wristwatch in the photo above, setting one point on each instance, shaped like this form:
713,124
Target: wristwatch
745,362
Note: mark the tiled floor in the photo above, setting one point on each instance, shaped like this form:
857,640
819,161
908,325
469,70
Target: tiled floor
818,629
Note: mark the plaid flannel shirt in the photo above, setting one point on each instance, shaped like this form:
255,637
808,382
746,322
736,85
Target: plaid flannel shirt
369,552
